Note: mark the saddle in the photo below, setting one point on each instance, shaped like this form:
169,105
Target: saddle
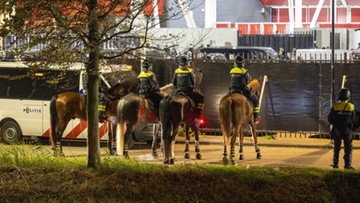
191,101
242,92
237,91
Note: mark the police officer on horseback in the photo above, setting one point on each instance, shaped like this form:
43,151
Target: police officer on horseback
102,102
341,117
240,78
148,85
184,82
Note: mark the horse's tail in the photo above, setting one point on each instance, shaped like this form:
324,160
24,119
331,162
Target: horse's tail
230,114
226,115
165,110
53,118
121,128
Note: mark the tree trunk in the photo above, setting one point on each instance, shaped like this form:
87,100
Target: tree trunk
93,141
92,68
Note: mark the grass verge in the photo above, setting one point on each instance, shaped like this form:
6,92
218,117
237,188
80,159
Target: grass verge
31,174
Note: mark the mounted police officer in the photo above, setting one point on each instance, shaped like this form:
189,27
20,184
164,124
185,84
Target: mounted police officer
184,82
341,117
240,78
148,85
103,100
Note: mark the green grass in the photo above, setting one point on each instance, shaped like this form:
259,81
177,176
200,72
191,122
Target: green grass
32,174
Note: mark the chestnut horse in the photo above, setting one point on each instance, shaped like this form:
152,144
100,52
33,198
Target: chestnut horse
174,110
131,109
235,111
70,105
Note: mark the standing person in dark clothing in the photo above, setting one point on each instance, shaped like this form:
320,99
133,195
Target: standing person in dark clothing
240,78
184,81
148,85
341,117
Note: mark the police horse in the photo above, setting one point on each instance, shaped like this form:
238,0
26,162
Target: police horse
235,111
131,109
177,109
70,105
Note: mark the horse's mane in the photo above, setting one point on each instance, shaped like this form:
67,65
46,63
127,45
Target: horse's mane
122,88
255,86
254,83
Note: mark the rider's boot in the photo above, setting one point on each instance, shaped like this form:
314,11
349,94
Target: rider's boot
256,115
101,108
199,110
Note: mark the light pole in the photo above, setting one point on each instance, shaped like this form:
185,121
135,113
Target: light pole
332,96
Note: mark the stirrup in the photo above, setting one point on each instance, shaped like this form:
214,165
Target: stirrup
256,119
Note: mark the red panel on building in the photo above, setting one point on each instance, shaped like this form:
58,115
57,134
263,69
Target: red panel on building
149,9
340,25
305,2
280,28
323,15
355,15
304,16
254,29
223,25
243,28
284,15
268,29
341,15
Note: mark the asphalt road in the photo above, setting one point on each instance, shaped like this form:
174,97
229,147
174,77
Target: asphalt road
276,152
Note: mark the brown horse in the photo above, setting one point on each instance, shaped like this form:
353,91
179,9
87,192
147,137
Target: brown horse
70,105
174,110
131,109
235,111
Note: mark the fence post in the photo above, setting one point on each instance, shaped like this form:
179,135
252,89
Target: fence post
262,90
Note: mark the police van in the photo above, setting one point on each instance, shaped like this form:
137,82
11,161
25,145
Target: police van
25,97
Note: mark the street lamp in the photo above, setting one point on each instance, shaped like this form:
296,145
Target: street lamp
332,96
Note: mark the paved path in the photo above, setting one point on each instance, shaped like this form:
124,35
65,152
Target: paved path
280,151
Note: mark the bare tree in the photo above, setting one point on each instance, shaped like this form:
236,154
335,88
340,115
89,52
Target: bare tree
67,31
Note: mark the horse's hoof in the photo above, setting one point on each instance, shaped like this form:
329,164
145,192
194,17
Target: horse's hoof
154,155
225,161
233,162
241,157
258,156
172,161
187,155
58,153
126,155
166,162
198,156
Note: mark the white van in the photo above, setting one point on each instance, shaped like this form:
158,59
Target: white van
25,97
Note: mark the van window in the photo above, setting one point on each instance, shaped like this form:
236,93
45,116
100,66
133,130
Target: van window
19,83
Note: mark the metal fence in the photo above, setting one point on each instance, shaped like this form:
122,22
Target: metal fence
296,96
112,45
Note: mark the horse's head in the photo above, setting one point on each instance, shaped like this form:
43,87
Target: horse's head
167,89
255,86
124,87
198,72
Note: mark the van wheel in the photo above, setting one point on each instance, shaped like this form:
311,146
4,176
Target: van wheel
10,133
